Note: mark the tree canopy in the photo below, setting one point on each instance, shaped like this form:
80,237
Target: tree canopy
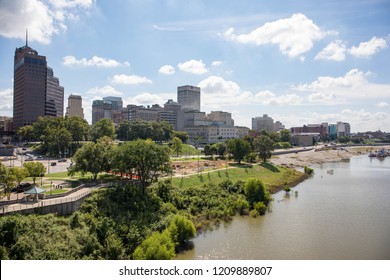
139,129
35,169
239,148
92,157
104,127
264,147
143,158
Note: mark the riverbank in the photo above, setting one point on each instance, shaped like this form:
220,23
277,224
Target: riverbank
320,156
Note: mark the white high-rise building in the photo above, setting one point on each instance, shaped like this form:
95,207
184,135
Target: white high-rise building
75,106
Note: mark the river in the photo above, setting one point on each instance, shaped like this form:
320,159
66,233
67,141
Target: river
342,212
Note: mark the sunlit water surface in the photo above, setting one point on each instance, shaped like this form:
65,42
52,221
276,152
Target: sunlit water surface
342,212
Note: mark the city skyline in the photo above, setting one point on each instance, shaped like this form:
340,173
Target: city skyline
297,62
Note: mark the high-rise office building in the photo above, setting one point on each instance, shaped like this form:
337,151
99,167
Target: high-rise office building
109,108
265,122
75,106
36,91
116,102
189,98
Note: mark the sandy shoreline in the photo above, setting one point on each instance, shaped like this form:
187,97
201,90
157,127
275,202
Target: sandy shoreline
319,156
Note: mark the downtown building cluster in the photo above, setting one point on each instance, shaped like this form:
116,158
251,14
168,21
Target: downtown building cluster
184,115
37,92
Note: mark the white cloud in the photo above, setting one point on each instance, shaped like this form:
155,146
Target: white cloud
218,91
334,51
193,66
70,60
43,19
337,90
6,104
269,98
382,104
146,99
294,36
367,49
61,4
216,63
105,91
167,70
351,79
130,80
324,97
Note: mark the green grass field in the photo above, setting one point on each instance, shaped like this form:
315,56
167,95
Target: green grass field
274,177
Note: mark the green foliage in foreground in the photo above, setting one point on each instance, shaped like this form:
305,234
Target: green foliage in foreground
122,222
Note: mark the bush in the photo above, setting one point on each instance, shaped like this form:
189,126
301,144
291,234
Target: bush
242,205
308,170
158,246
255,191
254,213
181,230
251,157
260,207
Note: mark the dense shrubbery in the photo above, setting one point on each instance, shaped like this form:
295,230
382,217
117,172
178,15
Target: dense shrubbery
122,222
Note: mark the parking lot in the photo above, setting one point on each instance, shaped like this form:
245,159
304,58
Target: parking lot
19,160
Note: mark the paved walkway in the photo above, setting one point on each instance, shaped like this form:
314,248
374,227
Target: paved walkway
83,192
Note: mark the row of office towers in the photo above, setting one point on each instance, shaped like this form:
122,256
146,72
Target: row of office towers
188,100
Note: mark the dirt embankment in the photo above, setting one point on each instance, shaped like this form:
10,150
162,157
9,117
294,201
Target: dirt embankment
319,156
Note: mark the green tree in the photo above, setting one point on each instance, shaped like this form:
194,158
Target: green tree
220,149
26,132
104,127
343,139
78,128
255,191
145,159
92,157
239,148
285,135
183,135
264,147
35,169
123,131
275,137
177,146
20,173
57,140
181,229
7,179
158,246
113,247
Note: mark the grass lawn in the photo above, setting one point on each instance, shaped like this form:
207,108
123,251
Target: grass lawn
274,177
55,191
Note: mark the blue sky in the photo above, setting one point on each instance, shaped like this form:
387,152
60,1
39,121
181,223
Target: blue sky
300,62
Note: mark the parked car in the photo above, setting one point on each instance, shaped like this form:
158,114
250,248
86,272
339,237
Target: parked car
53,164
22,187
62,160
29,159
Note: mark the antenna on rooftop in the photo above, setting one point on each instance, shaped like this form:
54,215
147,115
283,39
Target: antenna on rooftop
26,37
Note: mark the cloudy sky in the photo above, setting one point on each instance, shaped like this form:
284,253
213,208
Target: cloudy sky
300,62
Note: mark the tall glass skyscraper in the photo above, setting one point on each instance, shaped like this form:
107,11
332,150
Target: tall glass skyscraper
36,91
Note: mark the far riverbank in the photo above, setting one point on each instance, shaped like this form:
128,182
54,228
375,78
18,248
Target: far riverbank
322,155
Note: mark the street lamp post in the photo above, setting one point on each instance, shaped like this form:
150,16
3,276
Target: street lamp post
51,187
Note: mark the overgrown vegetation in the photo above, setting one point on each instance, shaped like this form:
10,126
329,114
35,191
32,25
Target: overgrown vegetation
123,222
